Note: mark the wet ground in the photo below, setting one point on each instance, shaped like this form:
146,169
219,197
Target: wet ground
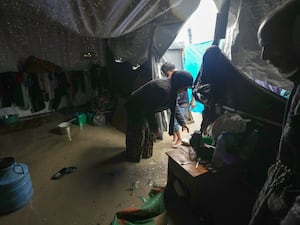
103,183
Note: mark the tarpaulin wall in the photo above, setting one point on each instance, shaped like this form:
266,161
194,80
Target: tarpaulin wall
74,34
193,55
241,44
63,32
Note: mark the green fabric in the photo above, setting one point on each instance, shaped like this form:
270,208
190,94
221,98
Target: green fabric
148,214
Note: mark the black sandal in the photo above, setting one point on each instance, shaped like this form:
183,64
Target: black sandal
64,171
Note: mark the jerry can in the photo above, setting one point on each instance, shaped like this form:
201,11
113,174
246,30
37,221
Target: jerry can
15,185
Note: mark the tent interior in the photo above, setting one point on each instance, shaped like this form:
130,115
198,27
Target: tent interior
118,44
75,56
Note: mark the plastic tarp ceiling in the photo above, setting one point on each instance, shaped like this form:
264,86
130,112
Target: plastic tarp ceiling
63,32
241,44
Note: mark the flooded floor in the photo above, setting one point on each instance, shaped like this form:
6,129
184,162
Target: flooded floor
103,182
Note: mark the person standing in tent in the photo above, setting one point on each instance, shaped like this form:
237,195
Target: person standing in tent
183,103
154,96
279,200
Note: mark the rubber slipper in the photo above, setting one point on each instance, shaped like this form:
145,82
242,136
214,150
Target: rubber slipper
64,171
176,145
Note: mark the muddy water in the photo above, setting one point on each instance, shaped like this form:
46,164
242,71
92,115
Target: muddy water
103,184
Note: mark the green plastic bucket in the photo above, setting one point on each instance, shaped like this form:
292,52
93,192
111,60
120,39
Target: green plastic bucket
81,119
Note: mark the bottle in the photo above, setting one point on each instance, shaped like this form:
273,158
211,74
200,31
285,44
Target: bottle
230,154
192,154
223,153
218,156
249,144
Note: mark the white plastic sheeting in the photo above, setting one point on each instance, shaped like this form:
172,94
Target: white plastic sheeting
63,31
241,40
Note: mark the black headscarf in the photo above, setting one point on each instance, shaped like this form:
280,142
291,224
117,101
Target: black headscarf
181,79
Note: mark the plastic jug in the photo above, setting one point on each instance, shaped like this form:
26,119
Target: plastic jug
15,185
